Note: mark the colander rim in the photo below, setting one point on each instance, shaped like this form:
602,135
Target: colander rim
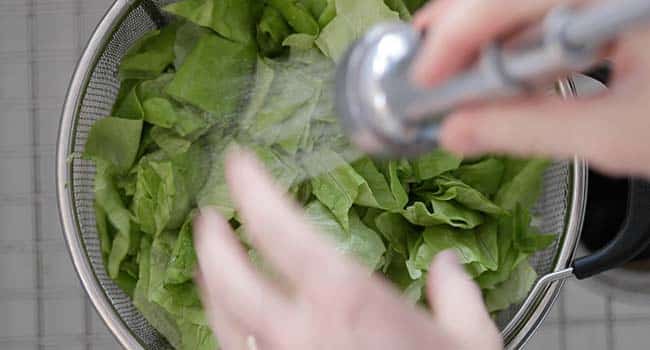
516,333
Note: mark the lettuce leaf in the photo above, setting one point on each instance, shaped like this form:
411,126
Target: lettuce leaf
150,55
359,240
353,19
233,19
160,319
213,56
115,142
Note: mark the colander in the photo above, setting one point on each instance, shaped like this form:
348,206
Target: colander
91,94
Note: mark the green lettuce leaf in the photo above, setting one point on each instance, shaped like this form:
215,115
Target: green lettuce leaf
297,15
473,247
197,337
527,238
315,7
169,141
150,55
115,141
272,30
187,36
288,97
524,187
154,197
336,184
215,193
485,176
395,230
233,19
434,164
442,212
376,191
414,5
400,7
110,202
359,240
180,300
196,83
128,103
328,14
183,262
160,319
513,290
353,19
448,188
299,41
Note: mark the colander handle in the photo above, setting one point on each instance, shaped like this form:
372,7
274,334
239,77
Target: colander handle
633,238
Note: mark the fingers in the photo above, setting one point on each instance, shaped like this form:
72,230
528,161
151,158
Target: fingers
458,306
229,282
457,34
430,13
280,232
591,129
230,336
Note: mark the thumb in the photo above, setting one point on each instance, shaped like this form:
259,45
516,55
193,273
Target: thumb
458,305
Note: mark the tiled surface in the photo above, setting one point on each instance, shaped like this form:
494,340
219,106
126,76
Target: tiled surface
41,303
585,320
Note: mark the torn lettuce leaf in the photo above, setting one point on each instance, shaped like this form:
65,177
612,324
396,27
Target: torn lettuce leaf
115,142
434,164
400,7
484,176
150,55
336,185
297,15
272,30
513,290
183,263
159,318
233,19
213,56
110,201
352,20
358,241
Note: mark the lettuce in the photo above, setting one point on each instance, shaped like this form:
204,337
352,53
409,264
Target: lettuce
259,74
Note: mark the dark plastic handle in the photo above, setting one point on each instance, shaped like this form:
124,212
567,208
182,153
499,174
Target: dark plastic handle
632,239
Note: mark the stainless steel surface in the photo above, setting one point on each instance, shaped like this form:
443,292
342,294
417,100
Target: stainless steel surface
606,21
401,118
363,93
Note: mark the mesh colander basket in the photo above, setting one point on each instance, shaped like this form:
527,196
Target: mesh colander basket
91,95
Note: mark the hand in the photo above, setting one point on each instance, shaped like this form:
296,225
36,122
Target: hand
334,302
611,131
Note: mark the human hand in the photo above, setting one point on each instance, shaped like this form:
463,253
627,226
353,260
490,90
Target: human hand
610,131
334,302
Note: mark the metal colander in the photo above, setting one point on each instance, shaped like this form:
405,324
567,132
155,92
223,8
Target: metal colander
91,95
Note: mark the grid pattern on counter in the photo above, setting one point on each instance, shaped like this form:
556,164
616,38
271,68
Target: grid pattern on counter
42,305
